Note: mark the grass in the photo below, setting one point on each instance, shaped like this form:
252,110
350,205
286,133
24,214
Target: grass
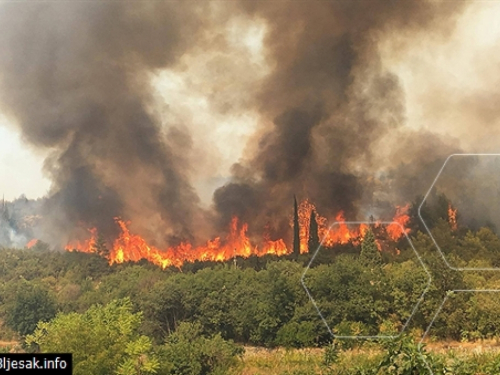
461,358
258,361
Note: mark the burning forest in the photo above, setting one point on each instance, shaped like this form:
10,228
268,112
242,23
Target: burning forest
186,141
185,161
131,247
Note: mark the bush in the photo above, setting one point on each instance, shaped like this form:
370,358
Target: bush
33,303
103,340
296,335
331,354
187,351
404,357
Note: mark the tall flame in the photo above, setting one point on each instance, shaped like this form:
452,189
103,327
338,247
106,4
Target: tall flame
341,233
397,228
132,247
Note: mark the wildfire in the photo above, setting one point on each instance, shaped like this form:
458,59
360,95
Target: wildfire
398,226
32,243
338,234
87,246
341,233
132,247
452,217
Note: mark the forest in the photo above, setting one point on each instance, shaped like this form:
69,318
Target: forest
135,318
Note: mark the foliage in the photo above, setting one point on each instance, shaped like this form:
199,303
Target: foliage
404,357
141,359
331,354
370,255
187,351
296,335
32,303
103,340
266,306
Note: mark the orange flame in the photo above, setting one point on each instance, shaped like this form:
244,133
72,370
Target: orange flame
132,247
32,243
340,233
87,246
452,217
397,228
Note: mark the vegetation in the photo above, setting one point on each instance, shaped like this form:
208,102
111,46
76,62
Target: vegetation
139,319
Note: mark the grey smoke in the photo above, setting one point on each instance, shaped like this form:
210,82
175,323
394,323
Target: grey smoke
332,103
75,78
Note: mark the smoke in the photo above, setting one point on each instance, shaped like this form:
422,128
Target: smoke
335,111
76,78
472,184
18,220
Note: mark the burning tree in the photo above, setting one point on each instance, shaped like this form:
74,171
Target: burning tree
296,230
313,241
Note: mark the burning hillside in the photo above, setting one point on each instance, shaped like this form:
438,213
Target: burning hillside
165,124
133,247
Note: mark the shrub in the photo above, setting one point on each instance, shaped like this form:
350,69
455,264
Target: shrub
187,351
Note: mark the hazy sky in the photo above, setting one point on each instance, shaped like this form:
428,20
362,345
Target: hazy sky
20,167
464,66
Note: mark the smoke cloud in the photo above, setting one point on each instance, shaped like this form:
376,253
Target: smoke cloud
334,108
332,121
74,77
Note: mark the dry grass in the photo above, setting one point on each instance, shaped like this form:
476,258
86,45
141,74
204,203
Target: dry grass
477,347
261,361
8,343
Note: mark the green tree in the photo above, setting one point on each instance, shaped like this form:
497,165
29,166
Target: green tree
404,356
370,254
103,340
188,352
297,335
32,303
141,360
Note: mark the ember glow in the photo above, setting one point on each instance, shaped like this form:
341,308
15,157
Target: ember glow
32,243
452,217
133,247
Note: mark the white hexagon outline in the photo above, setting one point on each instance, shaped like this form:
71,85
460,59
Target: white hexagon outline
428,230
369,337
448,293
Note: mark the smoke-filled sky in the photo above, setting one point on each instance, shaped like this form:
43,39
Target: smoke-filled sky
177,114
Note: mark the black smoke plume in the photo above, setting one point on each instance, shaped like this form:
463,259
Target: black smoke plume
75,78
331,104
